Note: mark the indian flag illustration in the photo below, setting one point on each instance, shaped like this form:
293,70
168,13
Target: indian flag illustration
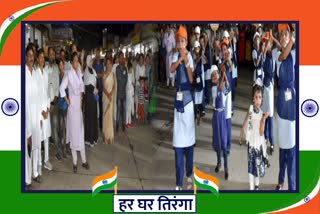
205,181
105,181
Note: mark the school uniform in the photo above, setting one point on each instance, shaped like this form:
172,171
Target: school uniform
207,67
227,101
184,126
219,128
286,119
199,85
258,70
234,69
130,97
268,99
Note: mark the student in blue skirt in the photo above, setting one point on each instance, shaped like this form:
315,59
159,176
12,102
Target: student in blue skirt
219,124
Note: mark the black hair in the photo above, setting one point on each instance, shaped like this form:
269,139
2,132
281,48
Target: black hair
62,50
257,88
73,55
29,47
40,51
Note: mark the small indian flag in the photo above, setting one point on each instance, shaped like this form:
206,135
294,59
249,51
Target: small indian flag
105,181
205,181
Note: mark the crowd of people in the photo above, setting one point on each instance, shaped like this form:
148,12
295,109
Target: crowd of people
69,101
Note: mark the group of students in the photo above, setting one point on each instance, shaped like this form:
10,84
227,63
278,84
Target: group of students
257,127
66,99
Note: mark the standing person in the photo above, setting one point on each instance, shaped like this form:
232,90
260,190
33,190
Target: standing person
33,122
130,96
75,133
286,108
114,66
207,67
122,78
227,66
109,87
91,98
140,72
268,82
169,44
98,67
184,127
62,117
234,60
67,66
53,76
255,121
45,105
219,124
257,58
200,60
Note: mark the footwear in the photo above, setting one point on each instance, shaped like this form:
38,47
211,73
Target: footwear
226,175
271,149
95,143
217,169
85,165
87,143
38,179
28,187
279,187
189,183
178,188
127,125
256,187
202,114
58,157
48,165
75,168
91,145
130,125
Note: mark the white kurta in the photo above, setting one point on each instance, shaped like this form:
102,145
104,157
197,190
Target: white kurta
183,125
75,127
43,83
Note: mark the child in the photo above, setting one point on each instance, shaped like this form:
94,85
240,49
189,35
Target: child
255,139
130,96
219,123
200,60
141,97
267,104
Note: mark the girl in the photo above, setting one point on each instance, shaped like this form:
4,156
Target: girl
184,128
90,104
257,58
219,124
109,90
200,60
227,66
130,96
255,138
75,130
267,104
286,106
140,72
141,99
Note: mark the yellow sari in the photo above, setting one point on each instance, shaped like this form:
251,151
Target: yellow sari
108,81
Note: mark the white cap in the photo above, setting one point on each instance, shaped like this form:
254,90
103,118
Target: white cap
258,82
197,30
196,44
225,34
213,69
256,35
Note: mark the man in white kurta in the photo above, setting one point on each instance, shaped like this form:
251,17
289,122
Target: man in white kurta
45,106
33,130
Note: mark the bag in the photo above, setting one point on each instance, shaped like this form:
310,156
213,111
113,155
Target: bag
248,128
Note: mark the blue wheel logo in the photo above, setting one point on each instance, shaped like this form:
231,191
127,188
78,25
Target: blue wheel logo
10,107
11,18
309,108
306,199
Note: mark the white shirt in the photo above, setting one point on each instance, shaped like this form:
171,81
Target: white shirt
170,42
90,79
53,77
140,72
130,82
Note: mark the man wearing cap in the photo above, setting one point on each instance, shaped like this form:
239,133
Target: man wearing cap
169,44
286,108
184,127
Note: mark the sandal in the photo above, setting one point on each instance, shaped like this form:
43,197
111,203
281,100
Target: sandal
85,165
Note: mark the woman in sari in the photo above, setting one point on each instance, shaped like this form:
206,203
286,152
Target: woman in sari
108,85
